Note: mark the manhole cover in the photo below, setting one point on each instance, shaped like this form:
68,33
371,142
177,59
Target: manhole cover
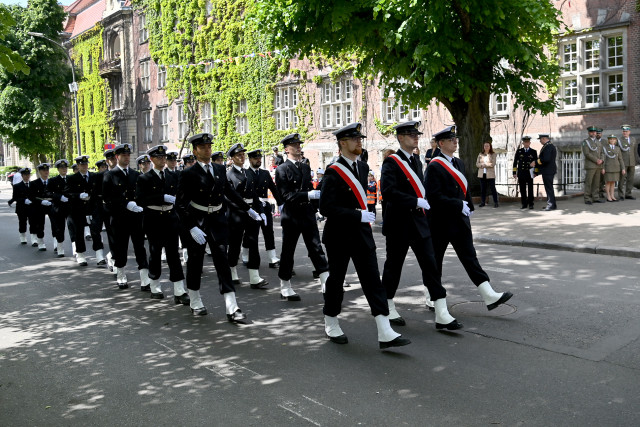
479,309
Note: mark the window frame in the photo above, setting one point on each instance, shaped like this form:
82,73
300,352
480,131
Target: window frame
336,103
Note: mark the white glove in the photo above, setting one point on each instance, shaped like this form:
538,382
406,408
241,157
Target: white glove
423,204
314,194
133,207
169,198
89,218
27,201
367,216
264,203
198,236
264,218
84,196
254,215
46,203
63,199
465,208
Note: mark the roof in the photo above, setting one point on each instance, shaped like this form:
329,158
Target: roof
87,19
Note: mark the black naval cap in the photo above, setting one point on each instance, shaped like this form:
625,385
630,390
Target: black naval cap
101,163
62,163
526,138
189,158
172,155
275,149
110,153
253,154
446,133
235,149
292,138
82,160
123,149
201,139
157,151
217,155
349,131
44,166
543,135
25,171
592,129
143,159
408,128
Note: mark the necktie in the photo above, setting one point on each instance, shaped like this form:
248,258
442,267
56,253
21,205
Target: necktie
209,169
454,163
162,175
64,178
526,150
86,178
414,164
355,170
126,171
45,183
299,165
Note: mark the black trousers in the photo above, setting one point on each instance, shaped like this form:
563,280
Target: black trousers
267,230
220,261
23,219
126,226
397,248
371,207
489,183
525,182
58,223
77,233
461,238
547,180
99,218
161,229
291,231
38,219
243,228
366,265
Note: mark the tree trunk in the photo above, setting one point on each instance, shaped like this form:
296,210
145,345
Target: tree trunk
473,129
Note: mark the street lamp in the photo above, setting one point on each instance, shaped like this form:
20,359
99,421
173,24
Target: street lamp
73,87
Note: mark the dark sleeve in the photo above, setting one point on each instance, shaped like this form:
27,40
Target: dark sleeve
274,190
435,190
183,199
69,189
389,188
144,195
329,205
289,194
515,162
232,195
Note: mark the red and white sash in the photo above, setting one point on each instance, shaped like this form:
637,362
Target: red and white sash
348,176
455,173
411,175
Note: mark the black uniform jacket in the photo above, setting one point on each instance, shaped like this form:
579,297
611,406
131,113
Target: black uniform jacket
38,192
76,185
547,160
198,186
294,184
119,189
56,188
522,160
445,195
402,217
342,210
244,183
20,194
150,189
264,182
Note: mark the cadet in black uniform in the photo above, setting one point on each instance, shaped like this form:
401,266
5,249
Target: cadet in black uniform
188,161
217,157
97,217
202,208
119,190
144,163
112,162
293,180
547,168
41,197
525,159
172,161
279,159
156,193
348,236
23,205
61,206
242,227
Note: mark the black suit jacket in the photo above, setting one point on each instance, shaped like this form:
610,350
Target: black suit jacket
244,183
547,160
402,217
294,184
342,210
76,185
445,195
150,189
21,193
56,187
264,182
38,192
522,160
119,189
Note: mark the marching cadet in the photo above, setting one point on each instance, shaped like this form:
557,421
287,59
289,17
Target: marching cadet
592,153
547,168
613,166
156,193
405,226
279,159
188,161
98,217
112,162
119,190
348,236
61,206
202,208
263,184
217,157
293,180
241,227
524,159
144,163
451,207
23,206
629,150
172,161
81,190
41,198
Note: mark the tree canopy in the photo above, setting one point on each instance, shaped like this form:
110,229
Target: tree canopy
10,60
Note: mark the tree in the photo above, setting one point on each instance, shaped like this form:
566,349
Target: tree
31,106
11,61
458,52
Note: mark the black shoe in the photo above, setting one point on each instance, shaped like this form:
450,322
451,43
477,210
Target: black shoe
123,285
293,273
449,326
506,296
83,264
531,207
524,207
396,342
274,264
262,284
110,267
237,317
146,288
245,263
588,203
42,249
60,255
182,299
398,321
202,311
342,339
23,243
629,197
599,201
549,208
495,205
87,238
101,262
235,281
481,205
158,295
55,250
34,245
316,275
294,297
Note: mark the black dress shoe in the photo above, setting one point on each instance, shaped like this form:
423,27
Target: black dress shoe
83,264
23,243
202,311
55,250
235,281
245,263
274,264
588,203
88,238
396,342
158,295
146,288
398,321
262,284
481,205
342,339
629,197
34,245
316,275
524,207
102,262
495,205
449,326
42,249
60,255
182,299
531,207
237,317
123,285
294,297
504,298
599,201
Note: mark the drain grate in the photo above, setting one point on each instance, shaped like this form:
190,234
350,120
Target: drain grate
479,309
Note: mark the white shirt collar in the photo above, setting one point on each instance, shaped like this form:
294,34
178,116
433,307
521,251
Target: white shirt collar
238,168
158,172
254,169
349,161
406,153
203,165
447,156
125,170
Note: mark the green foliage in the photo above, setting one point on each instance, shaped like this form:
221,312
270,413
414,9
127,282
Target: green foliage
10,60
385,130
8,169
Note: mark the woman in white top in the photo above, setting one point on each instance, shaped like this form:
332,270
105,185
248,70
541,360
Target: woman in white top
486,165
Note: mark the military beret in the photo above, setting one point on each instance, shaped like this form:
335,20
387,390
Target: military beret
157,151
349,131
200,139
189,158
62,163
592,129
101,163
408,128
543,135
526,138
44,166
143,159
235,149
217,155
111,152
82,160
123,149
292,138
25,171
625,127
254,153
446,133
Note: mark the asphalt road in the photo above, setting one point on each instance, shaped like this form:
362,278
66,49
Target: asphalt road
74,350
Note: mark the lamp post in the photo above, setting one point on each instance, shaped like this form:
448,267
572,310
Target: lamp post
73,87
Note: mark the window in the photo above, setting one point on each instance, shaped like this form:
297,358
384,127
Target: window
570,57
209,7
148,126
242,123
285,103
162,76
592,54
116,96
614,88
614,51
182,122
400,112
205,117
164,124
337,103
592,90
144,33
90,63
144,76
570,92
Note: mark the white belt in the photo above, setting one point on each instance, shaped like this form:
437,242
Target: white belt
207,209
264,199
162,208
